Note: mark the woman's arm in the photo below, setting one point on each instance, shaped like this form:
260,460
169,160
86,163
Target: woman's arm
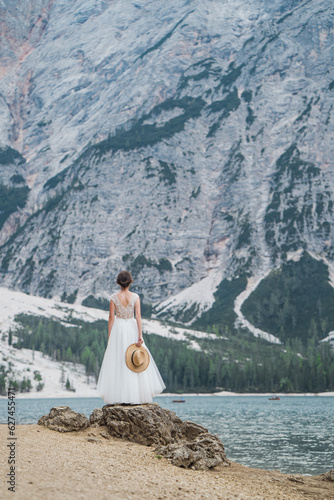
111,317
138,319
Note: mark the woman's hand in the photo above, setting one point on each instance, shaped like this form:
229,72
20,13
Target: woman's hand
140,342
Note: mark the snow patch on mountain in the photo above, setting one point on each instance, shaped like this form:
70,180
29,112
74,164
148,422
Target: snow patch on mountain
14,303
295,256
329,338
241,321
199,295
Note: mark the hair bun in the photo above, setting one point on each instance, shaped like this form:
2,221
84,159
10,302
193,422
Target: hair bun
124,279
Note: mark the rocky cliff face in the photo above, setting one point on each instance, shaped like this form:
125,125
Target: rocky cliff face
188,142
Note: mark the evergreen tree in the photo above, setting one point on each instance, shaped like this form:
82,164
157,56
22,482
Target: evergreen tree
62,376
68,355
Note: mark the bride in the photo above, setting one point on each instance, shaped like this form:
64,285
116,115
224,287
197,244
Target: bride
128,373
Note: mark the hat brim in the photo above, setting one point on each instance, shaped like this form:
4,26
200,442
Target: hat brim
128,358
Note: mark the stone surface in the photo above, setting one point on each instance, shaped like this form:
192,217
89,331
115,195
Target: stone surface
105,435
96,417
144,424
203,452
328,476
64,419
296,478
93,440
185,444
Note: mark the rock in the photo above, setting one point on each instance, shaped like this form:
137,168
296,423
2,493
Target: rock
93,440
297,478
97,417
204,452
191,430
145,424
185,444
328,476
64,419
105,435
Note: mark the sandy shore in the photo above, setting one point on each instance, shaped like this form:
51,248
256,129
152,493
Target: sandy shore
53,465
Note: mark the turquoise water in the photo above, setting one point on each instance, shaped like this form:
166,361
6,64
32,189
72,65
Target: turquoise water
293,435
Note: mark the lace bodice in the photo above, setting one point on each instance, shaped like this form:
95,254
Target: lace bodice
121,311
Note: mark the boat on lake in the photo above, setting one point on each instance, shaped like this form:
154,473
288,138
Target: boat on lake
274,398
181,400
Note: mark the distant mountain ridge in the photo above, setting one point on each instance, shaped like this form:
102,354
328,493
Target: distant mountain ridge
190,143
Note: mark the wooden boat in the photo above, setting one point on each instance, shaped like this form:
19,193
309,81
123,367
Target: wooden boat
179,400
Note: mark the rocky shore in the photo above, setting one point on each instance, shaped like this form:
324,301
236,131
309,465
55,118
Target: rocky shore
142,451
185,444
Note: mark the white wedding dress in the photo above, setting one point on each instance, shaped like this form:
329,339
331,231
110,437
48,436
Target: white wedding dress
116,382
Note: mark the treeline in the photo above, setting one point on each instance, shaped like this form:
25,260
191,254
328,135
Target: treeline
8,379
239,363
295,300
84,343
254,367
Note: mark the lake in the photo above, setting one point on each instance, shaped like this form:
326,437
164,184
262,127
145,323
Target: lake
293,435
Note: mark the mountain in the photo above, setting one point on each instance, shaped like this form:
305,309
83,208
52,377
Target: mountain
188,142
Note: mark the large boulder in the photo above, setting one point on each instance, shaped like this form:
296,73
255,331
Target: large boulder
185,444
64,419
144,424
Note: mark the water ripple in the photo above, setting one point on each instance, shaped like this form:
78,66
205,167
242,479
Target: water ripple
293,435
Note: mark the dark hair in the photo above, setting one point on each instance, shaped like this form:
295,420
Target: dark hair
124,279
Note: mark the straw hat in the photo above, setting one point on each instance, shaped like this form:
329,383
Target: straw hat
137,358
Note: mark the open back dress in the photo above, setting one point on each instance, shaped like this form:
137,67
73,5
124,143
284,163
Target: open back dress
116,382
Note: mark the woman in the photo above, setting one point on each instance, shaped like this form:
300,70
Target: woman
128,373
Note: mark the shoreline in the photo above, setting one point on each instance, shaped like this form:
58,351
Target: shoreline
36,395
85,464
